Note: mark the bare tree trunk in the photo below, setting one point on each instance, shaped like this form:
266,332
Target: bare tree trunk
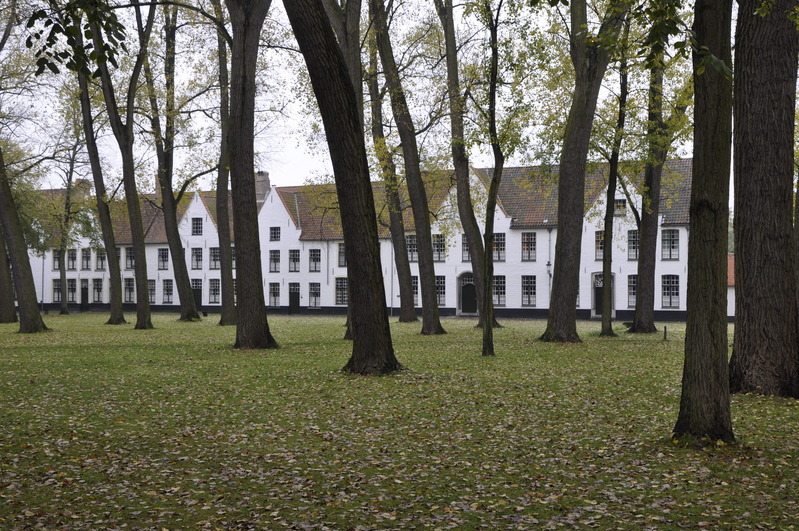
705,399
431,323
610,200
590,61
228,312
644,318
30,320
164,148
8,310
372,350
460,160
388,171
63,241
252,327
123,132
765,356
103,213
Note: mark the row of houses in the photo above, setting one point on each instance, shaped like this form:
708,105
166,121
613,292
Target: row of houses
305,269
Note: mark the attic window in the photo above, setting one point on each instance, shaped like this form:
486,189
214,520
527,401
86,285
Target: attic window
196,226
274,234
620,207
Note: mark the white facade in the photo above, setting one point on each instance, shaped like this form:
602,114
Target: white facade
304,271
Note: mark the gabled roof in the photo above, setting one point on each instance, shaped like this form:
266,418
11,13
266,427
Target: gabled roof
209,200
529,194
152,219
314,208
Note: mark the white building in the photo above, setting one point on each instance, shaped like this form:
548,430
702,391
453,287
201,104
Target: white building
303,254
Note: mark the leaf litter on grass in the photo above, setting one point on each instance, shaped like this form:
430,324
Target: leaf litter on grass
108,427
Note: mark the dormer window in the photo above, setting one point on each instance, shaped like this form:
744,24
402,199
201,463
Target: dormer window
196,226
620,207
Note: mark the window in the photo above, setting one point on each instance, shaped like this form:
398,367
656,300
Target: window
56,259
633,244
214,291
214,258
167,295
314,294
439,248
632,289
341,291
197,283
599,244
499,291
413,250
441,290
130,262
196,226
274,234
72,259
671,244
86,259
466,254
415,286
100,260
151,290
314,260
528,290
119,254
274,294
620,207
72,289
129,290
342,255
528,246
196,258
233,258
499,246
97,290
56,290
671,291
163,259
274,261
294,260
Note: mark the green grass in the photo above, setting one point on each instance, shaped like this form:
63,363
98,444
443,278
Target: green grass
104,427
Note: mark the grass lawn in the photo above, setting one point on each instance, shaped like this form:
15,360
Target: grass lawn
104,427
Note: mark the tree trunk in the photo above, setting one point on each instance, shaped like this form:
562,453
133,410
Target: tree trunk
388,172
123,132
63,309
765,356
252,327
372,350
103,214
63,242
30,319
164,148
705,399
590,61
610,198
228,311
431,323
8,309
460,160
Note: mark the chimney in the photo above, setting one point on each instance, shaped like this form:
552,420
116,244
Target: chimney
262,187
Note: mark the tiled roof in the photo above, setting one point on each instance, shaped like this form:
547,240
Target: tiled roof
152,219
314,208
529,194
731,269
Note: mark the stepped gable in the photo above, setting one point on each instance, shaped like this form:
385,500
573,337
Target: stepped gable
314,208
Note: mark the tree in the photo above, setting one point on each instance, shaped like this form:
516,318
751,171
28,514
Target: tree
765,356
228,315
705,397
590,56
388,172
460,159
372,350
164,148
8,309
431,323
247,19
